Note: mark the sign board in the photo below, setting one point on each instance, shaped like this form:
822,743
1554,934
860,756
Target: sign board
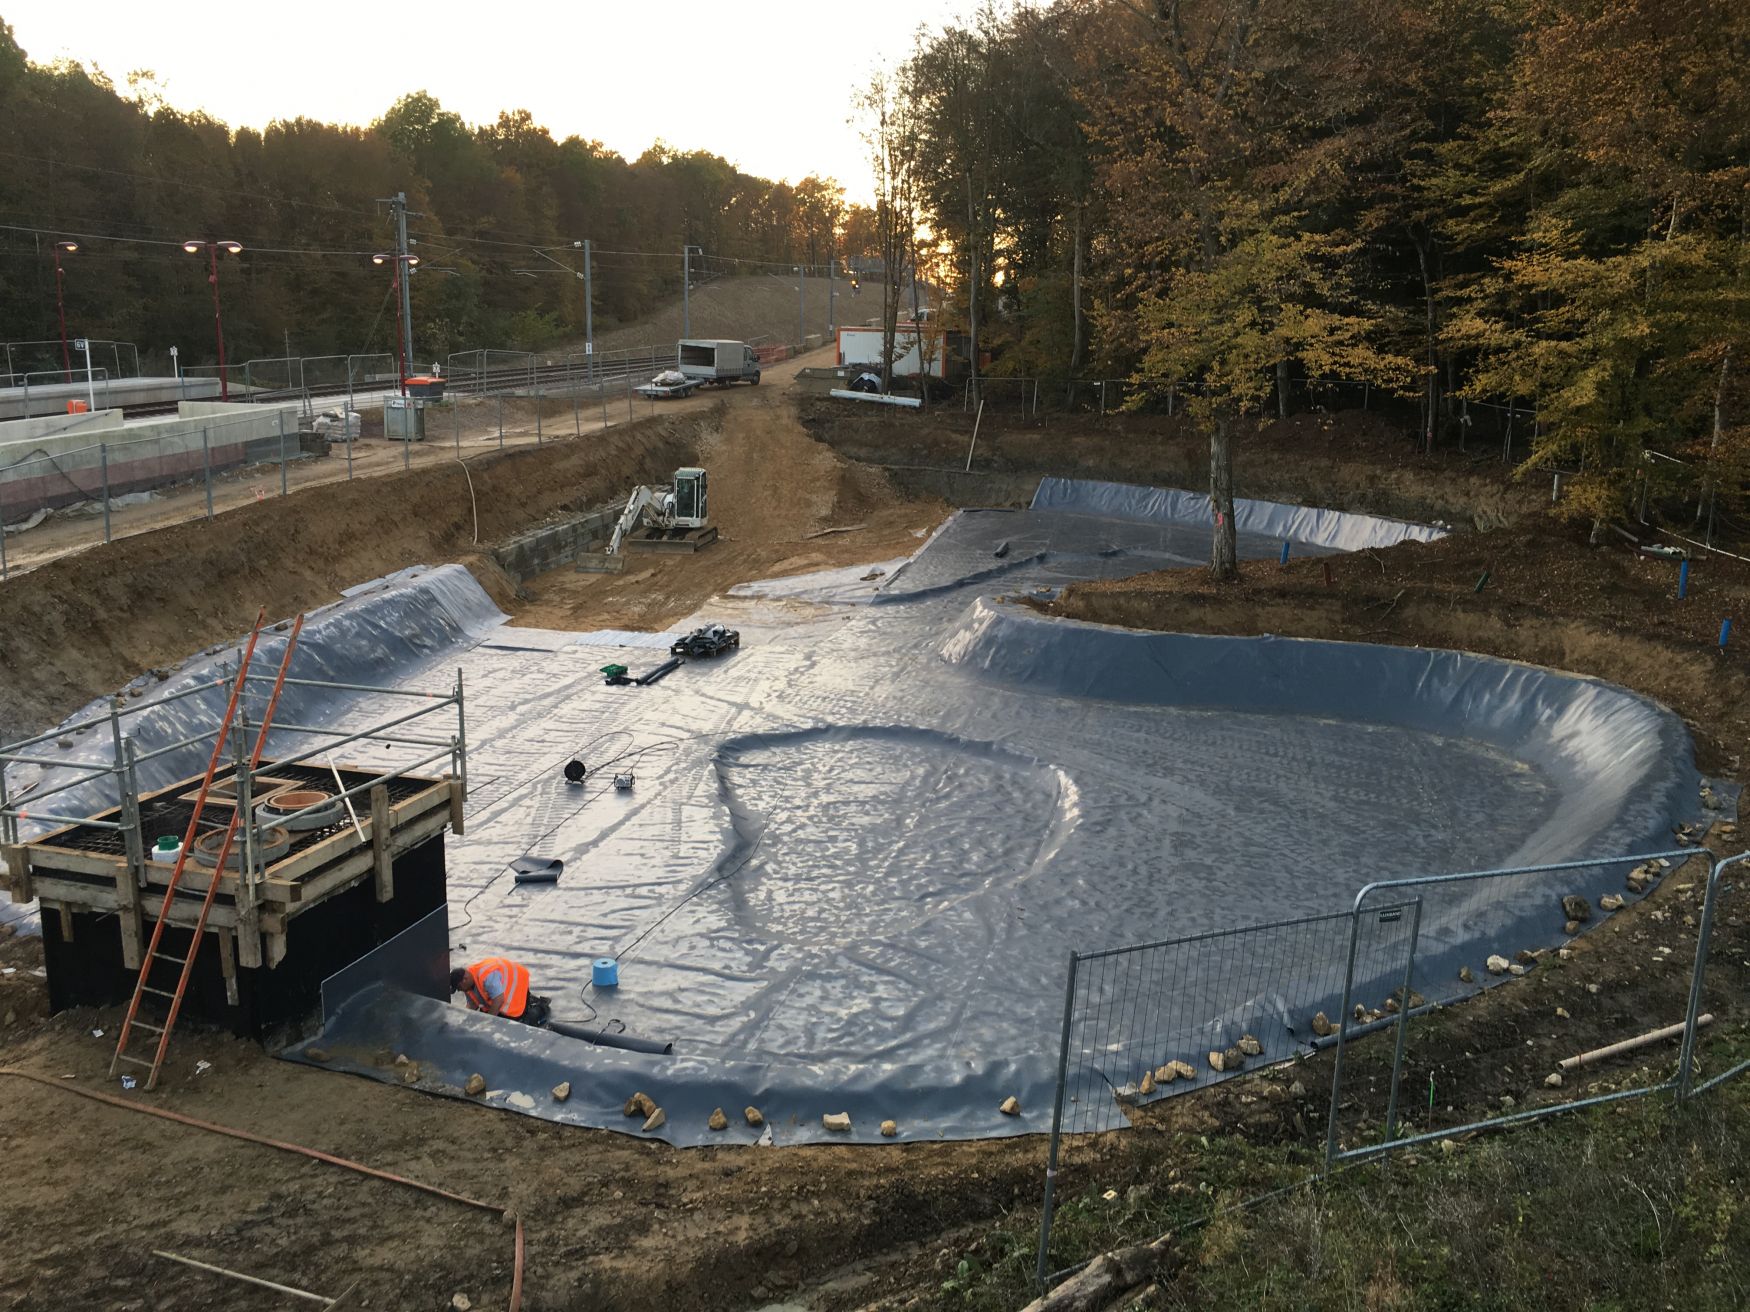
589,348
80,344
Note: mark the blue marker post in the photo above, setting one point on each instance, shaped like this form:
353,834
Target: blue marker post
1284,559
1683,580
1725,631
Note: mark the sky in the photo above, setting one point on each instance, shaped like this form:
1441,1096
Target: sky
767,84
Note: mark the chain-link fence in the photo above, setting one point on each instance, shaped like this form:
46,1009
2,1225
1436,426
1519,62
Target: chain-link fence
1368,995
57,361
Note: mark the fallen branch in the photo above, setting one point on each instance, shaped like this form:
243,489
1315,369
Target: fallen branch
821,533
1629,1045
1105,1276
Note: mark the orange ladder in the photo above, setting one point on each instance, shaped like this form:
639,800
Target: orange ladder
143,987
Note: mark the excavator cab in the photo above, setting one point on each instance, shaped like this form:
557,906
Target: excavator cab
689,497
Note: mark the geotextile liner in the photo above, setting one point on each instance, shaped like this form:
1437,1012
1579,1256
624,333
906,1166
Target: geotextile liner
859,851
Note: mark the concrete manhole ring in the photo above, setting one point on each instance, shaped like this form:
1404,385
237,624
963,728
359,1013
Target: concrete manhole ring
272,843
278,809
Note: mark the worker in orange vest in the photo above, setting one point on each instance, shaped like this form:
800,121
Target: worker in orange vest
500,987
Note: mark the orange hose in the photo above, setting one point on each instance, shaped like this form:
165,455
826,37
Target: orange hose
516,1279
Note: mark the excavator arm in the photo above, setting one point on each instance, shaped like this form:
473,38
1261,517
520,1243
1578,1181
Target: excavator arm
635,504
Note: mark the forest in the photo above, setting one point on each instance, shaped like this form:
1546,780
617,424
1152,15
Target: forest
496,211
1536,206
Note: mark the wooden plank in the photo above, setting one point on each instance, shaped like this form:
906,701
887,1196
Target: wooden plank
458,796
228,963
66,858
381,834
66,924
18,871
343,874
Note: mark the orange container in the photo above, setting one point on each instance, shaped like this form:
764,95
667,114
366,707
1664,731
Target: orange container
77,407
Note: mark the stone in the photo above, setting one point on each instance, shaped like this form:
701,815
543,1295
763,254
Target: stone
1562,1014
753,1116
461,1303
1506,1101
1249,1046
315,1054
410,1073
1611,902
1391,1004
1594,988
1217,1061
1497,964
562,1091
1516,969
402,1059
1011,1106
639,1104
1360,1011
522,1102
1297,1090
840,1121
889,1129
1322,1027
656,1120
718,1120
475,1086
1575,907
1232,1059
1553,1080
1571,928
1448,1146
1526,957
1465,977
1165,1074
1183,1069
1147,1084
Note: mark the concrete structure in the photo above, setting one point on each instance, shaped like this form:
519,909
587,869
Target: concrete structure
60,460
112,393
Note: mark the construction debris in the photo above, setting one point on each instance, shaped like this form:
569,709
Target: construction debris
840,1121
640,1104
1011,1106
718,1120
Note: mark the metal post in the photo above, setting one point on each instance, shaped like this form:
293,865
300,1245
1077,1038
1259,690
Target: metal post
406,448
602,392
461,734
283,453
1069,1002
501,421
1686,1059
90,388
801,307
103,460
588,315
456,410
629,415
2,579
404,268
1342,1033
1397,1061
134,835
832,290
576,406
207,468
535,378
686,290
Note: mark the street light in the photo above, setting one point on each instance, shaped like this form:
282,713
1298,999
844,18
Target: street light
411,261
63,247
212,248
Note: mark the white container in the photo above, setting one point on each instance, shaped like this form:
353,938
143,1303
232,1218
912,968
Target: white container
165,855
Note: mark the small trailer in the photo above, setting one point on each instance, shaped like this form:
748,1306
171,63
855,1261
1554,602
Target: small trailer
667,385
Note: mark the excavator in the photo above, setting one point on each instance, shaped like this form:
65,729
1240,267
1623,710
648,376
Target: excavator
675,511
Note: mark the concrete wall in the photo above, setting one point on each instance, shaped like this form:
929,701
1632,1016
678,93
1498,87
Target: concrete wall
553,545
41,470
52,398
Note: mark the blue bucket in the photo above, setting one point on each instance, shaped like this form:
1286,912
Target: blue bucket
605,972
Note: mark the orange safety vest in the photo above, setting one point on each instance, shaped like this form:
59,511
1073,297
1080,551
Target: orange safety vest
498,985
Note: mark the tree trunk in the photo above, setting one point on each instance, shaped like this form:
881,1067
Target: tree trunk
1282,389
1224,548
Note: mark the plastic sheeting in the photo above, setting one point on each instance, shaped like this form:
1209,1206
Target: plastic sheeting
860,850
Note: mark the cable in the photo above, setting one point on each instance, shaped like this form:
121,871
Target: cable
316,1154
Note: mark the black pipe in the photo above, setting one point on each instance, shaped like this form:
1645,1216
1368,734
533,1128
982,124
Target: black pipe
602,1039
667,667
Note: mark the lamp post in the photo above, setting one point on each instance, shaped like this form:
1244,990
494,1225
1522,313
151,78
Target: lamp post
212,248
63,248
411,261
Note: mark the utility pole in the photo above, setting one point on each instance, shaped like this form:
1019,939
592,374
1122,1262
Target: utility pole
801,307
832,291
399,206
686,290
588,310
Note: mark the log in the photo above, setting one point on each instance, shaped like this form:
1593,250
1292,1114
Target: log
1105,1277
1629,1045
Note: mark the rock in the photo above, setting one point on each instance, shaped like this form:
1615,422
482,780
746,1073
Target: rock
889,1129
522,1102
1516,969
753,1116
1321,1026
1147,1084
475,1086
1011,1106
1553,1080
1185,1069
1249,1046
410,1073
840,1121
1230,1059
1360,1011
1594,988
1297,1090
1217,1061
1526,957
1448,1146
1575,907
1506,1101
562,1091
461,1303
1165,1074
1497,964
1465,977
1611,902
1562,1014
315,1054
402,1059
1571,928
1391,1004
639,1104
656,1120
718,1120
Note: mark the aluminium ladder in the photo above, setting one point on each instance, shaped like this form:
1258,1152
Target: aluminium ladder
142,987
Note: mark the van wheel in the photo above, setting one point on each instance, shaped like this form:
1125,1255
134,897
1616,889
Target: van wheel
756,378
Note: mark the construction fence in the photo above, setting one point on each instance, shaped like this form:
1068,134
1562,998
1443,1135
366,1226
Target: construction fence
1347,1019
